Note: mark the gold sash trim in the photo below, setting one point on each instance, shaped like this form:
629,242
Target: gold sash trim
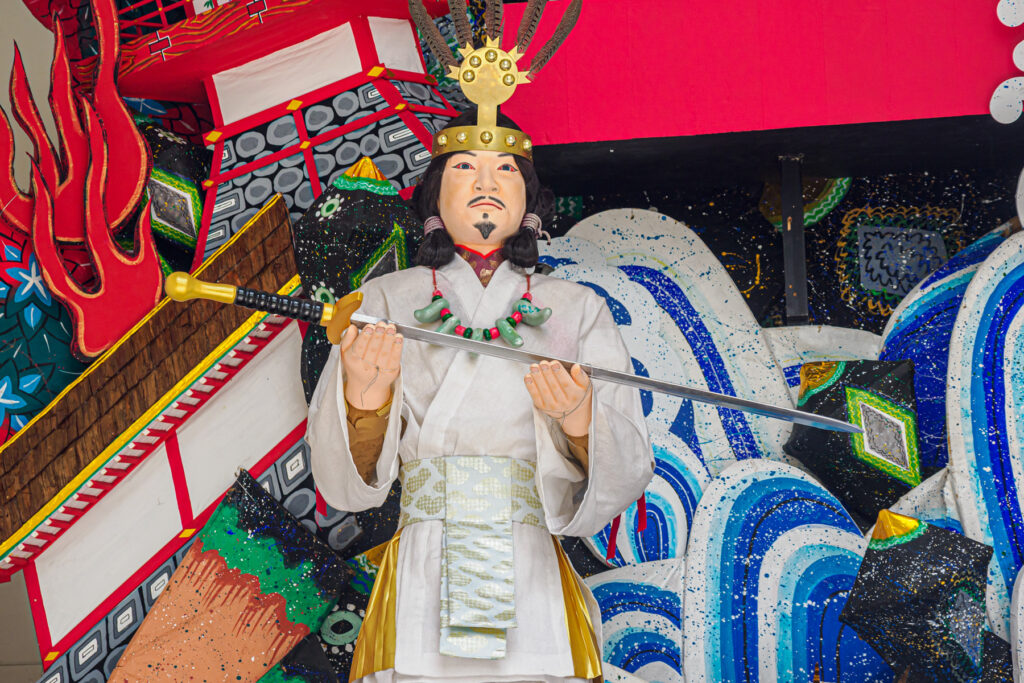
586,653
375,647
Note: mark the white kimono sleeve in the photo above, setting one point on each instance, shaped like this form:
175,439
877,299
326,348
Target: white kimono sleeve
334,470
621,462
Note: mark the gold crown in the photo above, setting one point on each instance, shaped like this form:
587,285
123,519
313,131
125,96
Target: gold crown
489,75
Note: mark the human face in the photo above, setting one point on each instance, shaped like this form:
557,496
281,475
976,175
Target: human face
483,198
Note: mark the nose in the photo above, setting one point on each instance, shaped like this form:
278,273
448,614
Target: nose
485,181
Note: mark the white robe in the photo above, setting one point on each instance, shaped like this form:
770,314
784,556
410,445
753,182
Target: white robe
455,403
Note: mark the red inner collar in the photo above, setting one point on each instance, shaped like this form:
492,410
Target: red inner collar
474,251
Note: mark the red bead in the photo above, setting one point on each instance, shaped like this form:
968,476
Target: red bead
517,316
437,292
528,296
445,311
494,333
459,329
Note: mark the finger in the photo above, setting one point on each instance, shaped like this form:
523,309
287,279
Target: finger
581,378
359,346
531,388
348,338
374,344
387,343
544,384
550,376
565,382
394,357
543,396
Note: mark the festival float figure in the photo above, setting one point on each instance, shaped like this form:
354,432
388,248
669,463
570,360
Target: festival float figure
474,586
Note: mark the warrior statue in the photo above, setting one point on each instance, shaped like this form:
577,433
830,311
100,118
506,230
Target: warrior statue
494,465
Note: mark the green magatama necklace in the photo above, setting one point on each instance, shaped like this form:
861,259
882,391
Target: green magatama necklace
523,312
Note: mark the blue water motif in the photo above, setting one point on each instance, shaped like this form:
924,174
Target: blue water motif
920,332
771,558
673,300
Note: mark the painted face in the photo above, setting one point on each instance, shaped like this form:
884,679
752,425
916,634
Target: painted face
483,198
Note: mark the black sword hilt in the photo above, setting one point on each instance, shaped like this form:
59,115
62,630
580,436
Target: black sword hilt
336,317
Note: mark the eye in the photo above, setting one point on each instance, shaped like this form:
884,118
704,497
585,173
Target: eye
508,167
463,166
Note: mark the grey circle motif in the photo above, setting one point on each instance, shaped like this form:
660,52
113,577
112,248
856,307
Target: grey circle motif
282,131
346,103
347,153
325,163
389,164
370,145
304,196
287,180
318,116
250,144
300,502
258,190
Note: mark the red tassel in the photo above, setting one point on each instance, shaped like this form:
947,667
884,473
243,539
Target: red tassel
641,512
321,505
610,554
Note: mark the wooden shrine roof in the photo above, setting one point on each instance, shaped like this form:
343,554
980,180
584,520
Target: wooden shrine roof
145,364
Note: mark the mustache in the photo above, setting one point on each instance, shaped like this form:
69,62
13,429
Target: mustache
482,198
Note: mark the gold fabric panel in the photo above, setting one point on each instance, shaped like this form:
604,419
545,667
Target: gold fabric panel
375,647
586,653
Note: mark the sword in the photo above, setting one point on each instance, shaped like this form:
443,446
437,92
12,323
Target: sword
182,287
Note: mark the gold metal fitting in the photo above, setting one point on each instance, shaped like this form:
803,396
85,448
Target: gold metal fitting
471,138
489,77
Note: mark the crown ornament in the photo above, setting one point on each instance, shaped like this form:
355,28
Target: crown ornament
488,75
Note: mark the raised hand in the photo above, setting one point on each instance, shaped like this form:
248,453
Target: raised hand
566,397
372,359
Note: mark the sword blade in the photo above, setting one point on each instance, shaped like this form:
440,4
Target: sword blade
630,380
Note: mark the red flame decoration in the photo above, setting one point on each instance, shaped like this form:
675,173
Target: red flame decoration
74,201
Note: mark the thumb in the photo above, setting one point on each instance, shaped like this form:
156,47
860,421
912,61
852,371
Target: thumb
581,378
348,337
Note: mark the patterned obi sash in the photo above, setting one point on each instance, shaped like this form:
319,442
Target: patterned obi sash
478,498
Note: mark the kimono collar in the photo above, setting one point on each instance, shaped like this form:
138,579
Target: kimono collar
505,284
483,265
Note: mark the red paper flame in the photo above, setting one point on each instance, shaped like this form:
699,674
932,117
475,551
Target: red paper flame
129,285
73,201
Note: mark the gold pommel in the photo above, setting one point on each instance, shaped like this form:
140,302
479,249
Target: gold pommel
183,287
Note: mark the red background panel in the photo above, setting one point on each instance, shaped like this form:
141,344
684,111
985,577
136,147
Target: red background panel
651,68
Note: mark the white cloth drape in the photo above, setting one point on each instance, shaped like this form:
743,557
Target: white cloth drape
456,403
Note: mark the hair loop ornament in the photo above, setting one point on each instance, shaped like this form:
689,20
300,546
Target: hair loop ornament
533,222
431,224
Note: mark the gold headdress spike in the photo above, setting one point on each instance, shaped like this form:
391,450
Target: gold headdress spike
488,75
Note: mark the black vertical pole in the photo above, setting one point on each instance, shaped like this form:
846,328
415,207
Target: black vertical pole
793,254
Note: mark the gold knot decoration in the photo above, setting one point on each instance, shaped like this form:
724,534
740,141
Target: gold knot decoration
488,75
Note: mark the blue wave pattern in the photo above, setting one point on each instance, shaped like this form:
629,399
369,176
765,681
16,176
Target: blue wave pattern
673,300
671,500
922,333
766,527
987,382
641,615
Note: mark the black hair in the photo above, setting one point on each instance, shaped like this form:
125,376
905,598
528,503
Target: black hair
437,248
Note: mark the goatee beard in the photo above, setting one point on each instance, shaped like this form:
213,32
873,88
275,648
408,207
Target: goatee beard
485,228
